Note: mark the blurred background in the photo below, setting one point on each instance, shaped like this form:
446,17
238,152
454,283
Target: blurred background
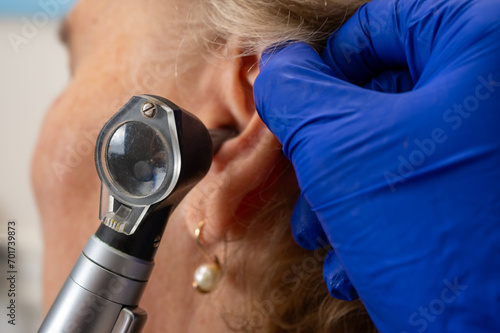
33,71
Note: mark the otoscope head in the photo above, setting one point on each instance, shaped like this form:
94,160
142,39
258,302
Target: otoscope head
149,154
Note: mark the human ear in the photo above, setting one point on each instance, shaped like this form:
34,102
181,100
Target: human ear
249,171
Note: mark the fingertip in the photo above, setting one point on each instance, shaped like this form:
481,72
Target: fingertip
308,233
283,90
279,68
306,228
269,53
336,279
287,50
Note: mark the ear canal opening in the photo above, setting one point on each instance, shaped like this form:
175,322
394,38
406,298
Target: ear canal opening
221,135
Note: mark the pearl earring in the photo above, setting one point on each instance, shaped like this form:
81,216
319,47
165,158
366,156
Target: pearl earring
206,275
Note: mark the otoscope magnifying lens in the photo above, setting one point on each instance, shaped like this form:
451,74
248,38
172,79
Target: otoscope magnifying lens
137,159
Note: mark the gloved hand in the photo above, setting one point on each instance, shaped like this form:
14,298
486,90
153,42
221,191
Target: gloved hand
394,133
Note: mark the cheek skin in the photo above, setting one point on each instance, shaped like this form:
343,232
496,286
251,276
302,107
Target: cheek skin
64,179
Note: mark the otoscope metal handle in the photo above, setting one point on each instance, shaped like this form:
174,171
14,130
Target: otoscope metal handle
131,320
101,293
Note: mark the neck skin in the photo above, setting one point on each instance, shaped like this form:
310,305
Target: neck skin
118,50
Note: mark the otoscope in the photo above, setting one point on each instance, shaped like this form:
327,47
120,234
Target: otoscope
148,156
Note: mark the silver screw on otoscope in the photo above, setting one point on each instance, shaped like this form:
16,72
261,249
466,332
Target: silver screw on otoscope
148,110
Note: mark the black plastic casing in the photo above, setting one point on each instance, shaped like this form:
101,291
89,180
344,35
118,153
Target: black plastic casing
196,153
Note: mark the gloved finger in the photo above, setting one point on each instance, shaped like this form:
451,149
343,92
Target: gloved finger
391,34
294,78
336,279
323,121
392,81
370,42
308,233
306,228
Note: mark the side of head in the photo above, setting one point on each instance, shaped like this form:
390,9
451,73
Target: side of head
126,48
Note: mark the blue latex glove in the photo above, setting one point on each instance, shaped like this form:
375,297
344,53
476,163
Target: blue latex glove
405,186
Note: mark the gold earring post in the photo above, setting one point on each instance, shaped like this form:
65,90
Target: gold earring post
206,275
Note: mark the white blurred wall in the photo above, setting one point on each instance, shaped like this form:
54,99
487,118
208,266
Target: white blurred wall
29,80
